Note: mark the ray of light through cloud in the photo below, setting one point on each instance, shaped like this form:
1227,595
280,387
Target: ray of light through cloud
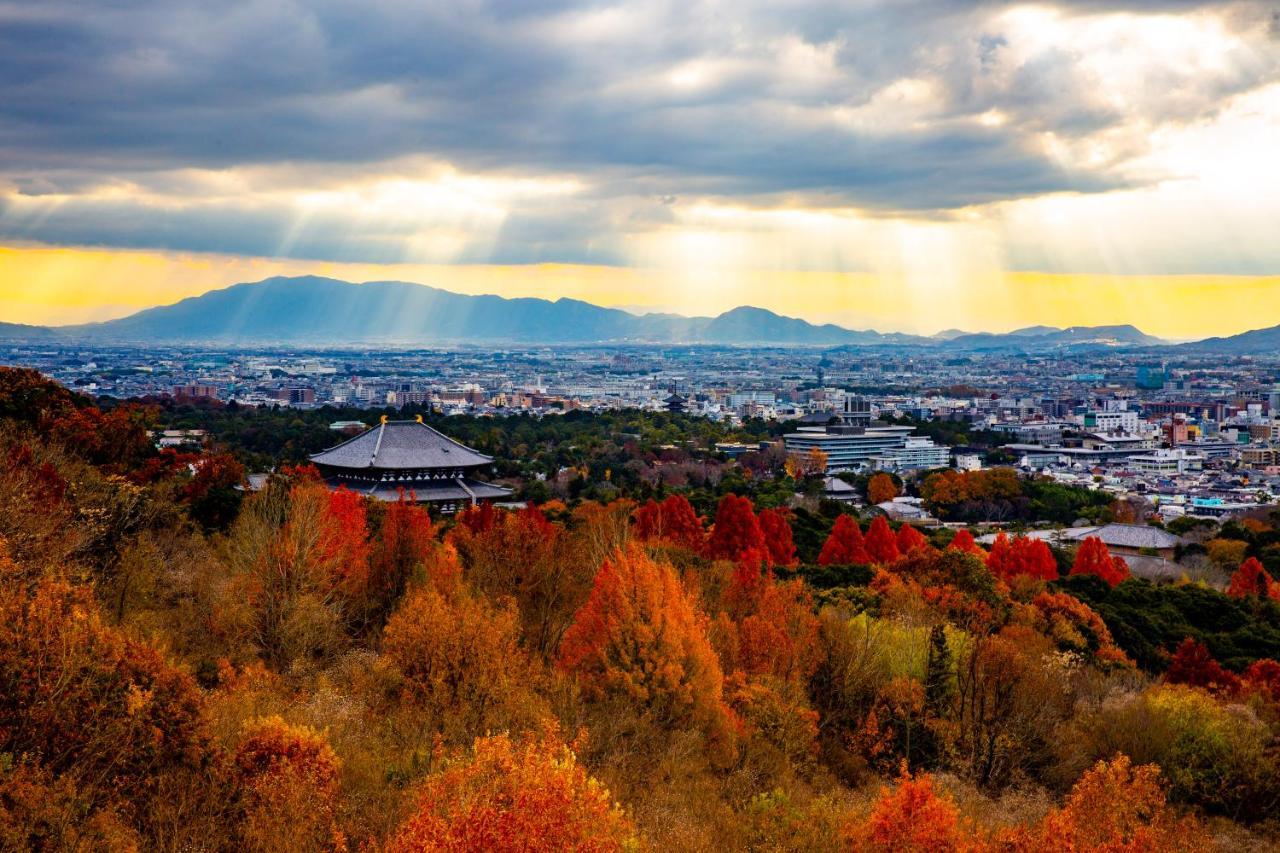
908,166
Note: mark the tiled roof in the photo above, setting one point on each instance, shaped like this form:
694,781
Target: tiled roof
400,445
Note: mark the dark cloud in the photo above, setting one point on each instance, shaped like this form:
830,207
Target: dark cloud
93,92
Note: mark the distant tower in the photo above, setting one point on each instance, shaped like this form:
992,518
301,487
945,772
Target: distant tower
675,403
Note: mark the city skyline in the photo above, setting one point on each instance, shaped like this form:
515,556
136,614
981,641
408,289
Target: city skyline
903,167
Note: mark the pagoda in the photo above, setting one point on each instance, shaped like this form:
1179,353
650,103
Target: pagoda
409,457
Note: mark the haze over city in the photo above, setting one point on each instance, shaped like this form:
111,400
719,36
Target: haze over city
899,166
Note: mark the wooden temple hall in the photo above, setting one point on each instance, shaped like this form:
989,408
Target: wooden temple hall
413,457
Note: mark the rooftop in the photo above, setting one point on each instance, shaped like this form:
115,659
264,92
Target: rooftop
400,445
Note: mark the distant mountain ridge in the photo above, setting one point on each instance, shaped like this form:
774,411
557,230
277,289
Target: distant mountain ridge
317,311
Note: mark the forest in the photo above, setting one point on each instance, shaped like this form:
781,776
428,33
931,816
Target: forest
642,663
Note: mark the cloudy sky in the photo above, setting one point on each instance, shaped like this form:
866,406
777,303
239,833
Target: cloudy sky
904,165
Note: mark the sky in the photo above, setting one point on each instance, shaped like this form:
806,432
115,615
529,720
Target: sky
904,165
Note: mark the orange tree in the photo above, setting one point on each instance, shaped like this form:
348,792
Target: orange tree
504,796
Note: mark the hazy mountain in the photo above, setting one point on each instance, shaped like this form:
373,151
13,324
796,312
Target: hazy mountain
1259,340
316,311
1049,337
949,334
21,332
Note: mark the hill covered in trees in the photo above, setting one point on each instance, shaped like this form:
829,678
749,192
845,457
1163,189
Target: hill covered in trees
184,665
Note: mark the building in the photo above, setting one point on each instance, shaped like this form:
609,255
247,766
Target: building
296,396
1166,462
410,458
919,453
194,392
849,448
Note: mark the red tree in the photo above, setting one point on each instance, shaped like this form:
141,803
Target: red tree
1192,664
1093,558
736,531
880,542
778,538
1023,556
1263,676
911,818
909,539
963,541
1252,579
844,546
674,520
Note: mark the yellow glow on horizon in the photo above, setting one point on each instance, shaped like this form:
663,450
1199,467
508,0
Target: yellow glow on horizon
56,285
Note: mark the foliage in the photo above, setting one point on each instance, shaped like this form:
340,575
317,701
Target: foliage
1093,558
639,638
845,545
505,796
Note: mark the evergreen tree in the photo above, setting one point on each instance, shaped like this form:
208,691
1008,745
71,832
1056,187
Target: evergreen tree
938,688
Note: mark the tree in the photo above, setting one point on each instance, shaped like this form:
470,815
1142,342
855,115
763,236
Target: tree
844,545
505,798
1193,664
909,818
1116,807
778,539
880,542
460,661
910,539
674,520
1251,579
1093,558
1000,558
736,530
85,698
638,638
1021,556
809,464
939,674
881,488
963,541
290,778
405,541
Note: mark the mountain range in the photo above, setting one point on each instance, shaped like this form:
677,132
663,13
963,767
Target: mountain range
310,310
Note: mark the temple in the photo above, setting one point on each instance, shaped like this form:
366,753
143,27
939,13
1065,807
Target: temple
413,458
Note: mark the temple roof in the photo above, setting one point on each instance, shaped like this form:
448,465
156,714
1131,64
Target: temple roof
400,445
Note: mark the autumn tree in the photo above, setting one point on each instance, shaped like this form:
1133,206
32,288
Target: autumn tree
405,541
1093,558
1023,555
778,538
673,520
524,556
881,488
963,541
507,797
1251,579
639,639
1114,806
844,545
459,661
287,573
909,539
1193,664
290,779
880,543
85,699
736,530
911,817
